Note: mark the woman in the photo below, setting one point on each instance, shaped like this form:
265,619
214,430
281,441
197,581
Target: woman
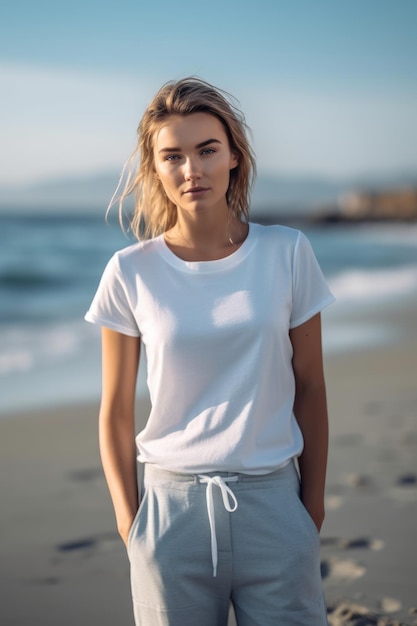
229,316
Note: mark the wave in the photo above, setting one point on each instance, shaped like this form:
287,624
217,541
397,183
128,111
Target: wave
42,339
27,346
51,364
23,279
371,285
60,361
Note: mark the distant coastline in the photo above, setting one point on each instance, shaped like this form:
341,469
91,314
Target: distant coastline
393,205
276,198
371,206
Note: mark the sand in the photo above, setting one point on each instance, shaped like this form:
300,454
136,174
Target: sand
62,563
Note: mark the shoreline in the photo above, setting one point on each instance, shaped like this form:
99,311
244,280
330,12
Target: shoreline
348,329
61,558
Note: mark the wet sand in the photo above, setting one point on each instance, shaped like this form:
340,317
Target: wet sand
61,561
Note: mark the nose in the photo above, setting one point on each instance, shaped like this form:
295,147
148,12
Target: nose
192,169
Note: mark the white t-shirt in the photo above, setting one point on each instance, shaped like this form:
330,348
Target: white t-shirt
216,335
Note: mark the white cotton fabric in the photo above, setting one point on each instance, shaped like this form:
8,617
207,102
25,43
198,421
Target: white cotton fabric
216,335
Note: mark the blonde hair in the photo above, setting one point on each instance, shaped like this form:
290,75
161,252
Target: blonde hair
154,213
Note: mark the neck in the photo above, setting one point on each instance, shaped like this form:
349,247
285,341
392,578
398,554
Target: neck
206,239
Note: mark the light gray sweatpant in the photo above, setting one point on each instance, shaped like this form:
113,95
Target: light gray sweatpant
199,542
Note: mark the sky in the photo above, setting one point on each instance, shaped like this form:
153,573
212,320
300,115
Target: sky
328,88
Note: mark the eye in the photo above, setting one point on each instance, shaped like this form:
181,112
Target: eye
208,151
172,157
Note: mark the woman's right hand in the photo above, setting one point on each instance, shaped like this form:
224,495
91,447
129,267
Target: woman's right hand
124,528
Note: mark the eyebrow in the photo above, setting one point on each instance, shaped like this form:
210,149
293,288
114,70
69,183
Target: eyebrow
203,144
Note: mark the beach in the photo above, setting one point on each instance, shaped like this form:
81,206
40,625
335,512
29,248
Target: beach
369,537
61,561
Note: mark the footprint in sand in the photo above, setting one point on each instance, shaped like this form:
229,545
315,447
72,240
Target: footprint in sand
390,605
407,480
358,480
78,545
404,489
352,544
342,570
351,614
87,474
87,545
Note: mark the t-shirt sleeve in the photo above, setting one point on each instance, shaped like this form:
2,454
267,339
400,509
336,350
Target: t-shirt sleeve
110,306
311,293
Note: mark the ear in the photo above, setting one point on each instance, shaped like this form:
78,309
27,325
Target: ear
234,160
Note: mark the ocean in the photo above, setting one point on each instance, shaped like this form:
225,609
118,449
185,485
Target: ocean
50,267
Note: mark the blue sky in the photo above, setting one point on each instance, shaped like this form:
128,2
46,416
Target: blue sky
329,87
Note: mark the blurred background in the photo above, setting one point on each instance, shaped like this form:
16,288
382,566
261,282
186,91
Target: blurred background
329,91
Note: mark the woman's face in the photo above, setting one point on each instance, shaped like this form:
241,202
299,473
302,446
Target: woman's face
193,160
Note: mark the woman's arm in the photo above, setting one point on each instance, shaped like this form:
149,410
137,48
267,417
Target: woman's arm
120,360
310,409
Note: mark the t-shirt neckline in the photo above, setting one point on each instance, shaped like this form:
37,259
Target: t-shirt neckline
207,267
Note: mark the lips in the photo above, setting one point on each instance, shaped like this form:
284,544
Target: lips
193,190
